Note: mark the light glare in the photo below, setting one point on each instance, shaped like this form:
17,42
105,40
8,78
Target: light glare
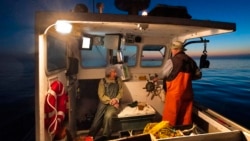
144,13
63,27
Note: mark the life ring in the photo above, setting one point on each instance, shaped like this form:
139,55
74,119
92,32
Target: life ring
55,107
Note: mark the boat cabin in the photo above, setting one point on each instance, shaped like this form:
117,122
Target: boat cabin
72,63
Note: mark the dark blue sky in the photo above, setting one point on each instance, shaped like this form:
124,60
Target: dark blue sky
17,21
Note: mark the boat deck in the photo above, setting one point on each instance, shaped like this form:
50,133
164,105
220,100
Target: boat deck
196,134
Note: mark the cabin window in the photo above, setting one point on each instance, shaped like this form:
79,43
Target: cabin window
129,54
56,54
152,55
96,57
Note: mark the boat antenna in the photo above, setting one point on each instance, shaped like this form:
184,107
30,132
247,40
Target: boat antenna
93,6
100,7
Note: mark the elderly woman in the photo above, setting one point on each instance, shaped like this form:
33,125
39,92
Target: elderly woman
110,92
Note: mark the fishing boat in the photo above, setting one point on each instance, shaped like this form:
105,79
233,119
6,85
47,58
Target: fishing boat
70,64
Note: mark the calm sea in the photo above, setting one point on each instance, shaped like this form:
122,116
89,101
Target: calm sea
224,88
17,87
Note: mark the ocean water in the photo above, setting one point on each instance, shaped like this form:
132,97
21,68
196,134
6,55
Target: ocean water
224,88
17,103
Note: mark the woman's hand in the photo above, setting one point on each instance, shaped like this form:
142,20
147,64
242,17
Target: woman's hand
116,105
113,101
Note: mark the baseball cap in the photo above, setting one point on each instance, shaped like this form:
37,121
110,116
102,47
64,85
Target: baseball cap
177,45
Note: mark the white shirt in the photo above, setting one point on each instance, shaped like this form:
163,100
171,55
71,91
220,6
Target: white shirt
167,68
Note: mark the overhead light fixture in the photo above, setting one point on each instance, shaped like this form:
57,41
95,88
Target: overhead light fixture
63,27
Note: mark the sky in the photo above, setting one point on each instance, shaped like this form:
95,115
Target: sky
17,22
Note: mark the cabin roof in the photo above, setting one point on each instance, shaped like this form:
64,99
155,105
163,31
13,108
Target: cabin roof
166,27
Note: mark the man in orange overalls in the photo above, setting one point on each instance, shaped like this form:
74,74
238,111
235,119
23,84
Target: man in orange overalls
179,71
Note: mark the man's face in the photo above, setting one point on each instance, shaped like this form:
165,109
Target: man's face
173,51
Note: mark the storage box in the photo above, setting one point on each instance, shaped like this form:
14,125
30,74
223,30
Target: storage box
132,123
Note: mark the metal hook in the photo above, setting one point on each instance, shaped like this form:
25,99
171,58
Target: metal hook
205,47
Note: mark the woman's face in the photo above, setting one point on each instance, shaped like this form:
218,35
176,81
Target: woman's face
113,74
